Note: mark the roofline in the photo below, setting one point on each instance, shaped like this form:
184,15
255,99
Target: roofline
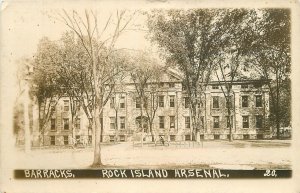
264,81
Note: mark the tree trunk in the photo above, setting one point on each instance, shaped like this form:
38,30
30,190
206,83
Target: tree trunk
152,133
197,135
195,129
98,104
230,125
142,122
97,149
73,128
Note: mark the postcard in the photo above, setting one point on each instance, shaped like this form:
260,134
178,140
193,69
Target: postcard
149,96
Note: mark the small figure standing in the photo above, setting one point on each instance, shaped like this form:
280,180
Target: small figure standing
162,140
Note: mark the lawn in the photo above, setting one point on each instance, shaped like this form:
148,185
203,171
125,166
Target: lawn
264,154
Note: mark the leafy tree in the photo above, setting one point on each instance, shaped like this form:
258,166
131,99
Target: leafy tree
229,61
270,55
44,81
193,40
146,73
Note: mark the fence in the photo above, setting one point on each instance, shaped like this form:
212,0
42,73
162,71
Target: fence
79,141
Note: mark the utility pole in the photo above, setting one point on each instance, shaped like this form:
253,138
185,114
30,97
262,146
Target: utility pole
26,102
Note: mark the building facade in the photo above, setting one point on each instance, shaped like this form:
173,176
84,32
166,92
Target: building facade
126,118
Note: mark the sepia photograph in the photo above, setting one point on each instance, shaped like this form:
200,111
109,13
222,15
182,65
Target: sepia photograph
148,91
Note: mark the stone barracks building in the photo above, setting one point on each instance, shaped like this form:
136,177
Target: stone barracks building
122,118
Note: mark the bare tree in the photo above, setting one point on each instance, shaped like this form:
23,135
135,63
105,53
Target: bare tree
99,50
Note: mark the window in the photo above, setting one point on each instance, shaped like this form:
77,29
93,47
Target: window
161,84
137,102
66,105
258,101
77,123
246,136
161,101
161,122
245,86
259,121
171,85
112,102
52,140
188,137
122,102
228,102
216,121
215,87
186,102
215,102
77,103
53,124
244,101
172,101
112,123
172,137
245,121
202,121
90,139
66,124
66,140
229,121
184,87
122,122
216,136
111,138
187,122
172,121
122,138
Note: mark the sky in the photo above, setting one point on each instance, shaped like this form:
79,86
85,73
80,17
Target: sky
23,28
